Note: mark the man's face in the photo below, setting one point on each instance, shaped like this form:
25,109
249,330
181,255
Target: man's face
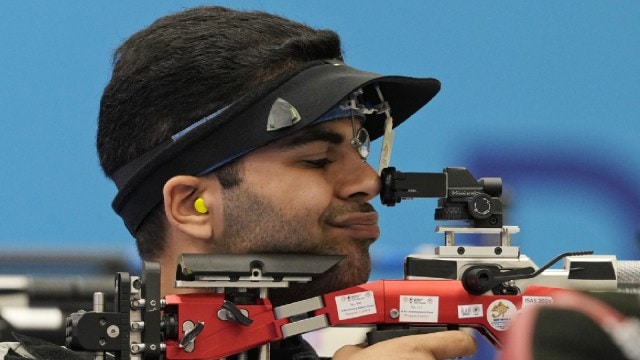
305,194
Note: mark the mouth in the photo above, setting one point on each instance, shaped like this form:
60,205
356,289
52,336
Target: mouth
361,225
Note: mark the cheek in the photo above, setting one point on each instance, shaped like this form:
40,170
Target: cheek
216,211
308,194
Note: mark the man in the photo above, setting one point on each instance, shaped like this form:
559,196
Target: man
244,132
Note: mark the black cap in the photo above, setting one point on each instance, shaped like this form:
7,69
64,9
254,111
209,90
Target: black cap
243,126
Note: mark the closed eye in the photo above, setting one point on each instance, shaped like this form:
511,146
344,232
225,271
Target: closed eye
319,163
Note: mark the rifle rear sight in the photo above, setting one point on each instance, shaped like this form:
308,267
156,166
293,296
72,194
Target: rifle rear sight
461,196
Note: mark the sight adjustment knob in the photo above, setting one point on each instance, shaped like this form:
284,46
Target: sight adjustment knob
480,206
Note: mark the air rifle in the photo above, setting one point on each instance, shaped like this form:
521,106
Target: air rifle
480,287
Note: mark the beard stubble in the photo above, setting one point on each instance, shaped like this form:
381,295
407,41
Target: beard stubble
254,225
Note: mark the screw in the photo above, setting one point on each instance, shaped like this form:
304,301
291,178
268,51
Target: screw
498,250
113,331
137,303
137,348
394,313
461,250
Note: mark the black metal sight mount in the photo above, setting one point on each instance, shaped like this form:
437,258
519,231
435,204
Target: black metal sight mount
461,196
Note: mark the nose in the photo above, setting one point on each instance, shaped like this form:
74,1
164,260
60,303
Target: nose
359,181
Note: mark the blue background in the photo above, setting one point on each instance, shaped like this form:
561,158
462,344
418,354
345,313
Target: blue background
543,94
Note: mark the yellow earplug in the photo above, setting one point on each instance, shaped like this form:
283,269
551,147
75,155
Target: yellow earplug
200,206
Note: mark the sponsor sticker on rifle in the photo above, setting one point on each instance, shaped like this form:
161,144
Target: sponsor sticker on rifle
499,314
470,311
418,308
536,300
355,305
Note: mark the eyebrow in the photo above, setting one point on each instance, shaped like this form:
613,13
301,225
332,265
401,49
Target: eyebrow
312,135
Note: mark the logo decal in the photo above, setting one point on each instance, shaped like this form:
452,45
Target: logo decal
470,311
499,314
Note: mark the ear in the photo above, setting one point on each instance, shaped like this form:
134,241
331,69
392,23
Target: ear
180,194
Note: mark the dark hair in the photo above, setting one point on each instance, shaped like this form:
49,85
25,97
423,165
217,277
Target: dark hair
185,66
